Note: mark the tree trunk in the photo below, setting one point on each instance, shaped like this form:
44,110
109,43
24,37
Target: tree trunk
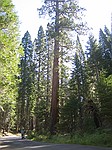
55,80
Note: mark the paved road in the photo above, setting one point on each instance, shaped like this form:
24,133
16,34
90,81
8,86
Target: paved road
16,143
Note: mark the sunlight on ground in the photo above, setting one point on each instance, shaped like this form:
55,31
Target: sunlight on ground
38,146
4,146
34,147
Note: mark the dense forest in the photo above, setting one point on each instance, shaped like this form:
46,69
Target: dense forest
52,84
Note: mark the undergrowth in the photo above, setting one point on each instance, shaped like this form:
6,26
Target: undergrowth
99,138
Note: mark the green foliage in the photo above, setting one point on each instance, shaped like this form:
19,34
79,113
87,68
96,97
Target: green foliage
79,75
105,43
68,121
42,75
77,115
93,55
25,100
98,138
105,95
65,17
9,59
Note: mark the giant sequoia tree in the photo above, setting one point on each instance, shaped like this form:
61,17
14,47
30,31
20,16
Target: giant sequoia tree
65,16
9,59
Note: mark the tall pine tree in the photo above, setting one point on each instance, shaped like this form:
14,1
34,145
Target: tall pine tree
62,15
25,97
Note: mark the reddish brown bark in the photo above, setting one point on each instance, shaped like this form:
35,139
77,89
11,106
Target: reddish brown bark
55,80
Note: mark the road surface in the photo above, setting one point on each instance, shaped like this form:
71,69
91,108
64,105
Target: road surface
16,143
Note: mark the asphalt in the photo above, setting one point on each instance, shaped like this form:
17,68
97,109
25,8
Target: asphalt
16,143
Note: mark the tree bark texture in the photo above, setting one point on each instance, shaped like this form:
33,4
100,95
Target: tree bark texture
55,80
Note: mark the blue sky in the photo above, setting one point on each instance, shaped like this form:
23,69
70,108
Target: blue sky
98,14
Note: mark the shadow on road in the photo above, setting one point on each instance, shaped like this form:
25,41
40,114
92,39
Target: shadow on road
18,143
15,142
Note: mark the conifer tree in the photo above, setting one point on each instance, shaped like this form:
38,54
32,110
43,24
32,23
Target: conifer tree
79,82
41,62
49,59
62,15
105,42
104,88
93,54
93,70
25,101
104,83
